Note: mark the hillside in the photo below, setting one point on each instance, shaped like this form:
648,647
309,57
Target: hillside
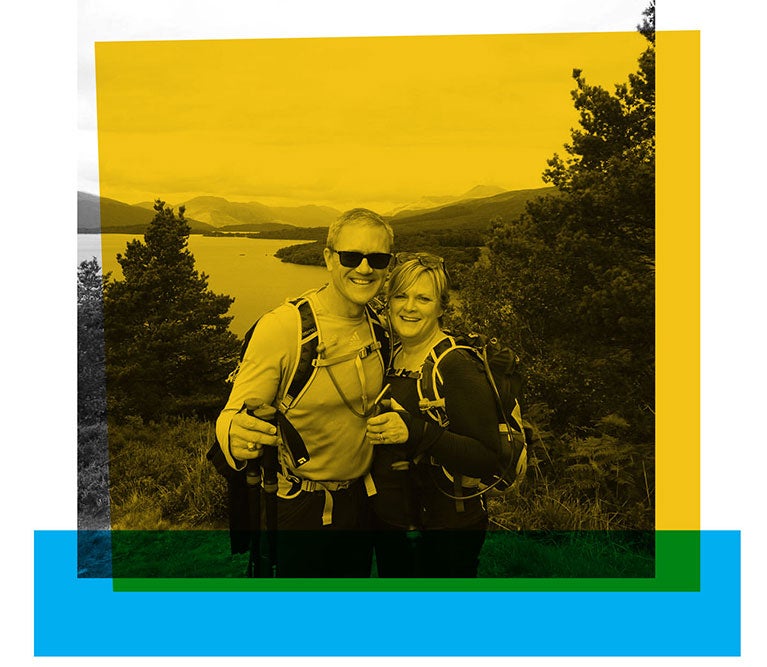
216,214
436,201
468,214
219,212
456,232
279,232
306,216
108,216
253,216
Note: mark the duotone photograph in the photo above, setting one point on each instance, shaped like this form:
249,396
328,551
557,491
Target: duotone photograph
369,308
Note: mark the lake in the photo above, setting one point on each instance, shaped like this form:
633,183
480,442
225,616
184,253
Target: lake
240,267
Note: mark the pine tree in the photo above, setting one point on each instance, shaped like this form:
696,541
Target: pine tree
168,345
91,399
570,283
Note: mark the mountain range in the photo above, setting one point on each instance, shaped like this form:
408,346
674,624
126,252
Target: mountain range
436,201
467,214
204,214
101,214
226,216
471,210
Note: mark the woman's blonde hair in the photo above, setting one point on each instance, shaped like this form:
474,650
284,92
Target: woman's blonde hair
405,274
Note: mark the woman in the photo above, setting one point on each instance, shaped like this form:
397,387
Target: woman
421,529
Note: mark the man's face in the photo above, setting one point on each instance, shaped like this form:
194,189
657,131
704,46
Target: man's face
359,284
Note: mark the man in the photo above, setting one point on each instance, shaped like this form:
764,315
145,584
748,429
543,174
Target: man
322,510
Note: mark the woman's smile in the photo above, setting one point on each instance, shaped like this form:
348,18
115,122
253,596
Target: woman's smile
415,311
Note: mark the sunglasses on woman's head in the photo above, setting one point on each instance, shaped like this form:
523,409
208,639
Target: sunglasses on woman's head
352,259
424,258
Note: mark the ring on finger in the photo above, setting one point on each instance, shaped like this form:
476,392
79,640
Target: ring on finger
381,436
251,446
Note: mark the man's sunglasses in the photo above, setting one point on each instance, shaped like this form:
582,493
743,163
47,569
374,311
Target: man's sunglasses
352,259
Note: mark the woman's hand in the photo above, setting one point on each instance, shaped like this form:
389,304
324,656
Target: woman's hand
388,428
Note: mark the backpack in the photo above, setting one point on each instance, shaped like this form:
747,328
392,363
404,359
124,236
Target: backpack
501,367
304,370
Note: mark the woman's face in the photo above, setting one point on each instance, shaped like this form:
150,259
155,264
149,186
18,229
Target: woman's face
414,312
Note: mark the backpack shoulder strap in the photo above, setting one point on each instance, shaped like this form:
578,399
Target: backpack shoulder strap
307,343
431,401
243,348
307,340
381,335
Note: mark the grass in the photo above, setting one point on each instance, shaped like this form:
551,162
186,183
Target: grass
506,554
167,508
92,477
160,478
568,554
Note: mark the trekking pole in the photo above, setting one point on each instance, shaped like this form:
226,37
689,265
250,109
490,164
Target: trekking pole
261,472
269,466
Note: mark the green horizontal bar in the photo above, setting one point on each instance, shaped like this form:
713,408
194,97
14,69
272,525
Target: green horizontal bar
537,561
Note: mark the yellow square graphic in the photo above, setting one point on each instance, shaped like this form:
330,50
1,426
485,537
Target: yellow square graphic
375,121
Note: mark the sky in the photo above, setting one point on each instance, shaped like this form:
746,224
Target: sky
347,121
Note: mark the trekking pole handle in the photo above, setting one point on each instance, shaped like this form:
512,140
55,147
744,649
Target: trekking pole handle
264,468
376,407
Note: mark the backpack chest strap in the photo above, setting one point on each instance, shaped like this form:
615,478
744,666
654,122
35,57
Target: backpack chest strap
361,353
431,401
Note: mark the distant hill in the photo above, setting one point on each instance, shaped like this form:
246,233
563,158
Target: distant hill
306,216
215,214
482,191
253,216
218,212
103,215
473,214
276,231
259,227
434,201
456,232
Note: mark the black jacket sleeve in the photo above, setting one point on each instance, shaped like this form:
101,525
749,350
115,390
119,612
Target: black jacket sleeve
470,445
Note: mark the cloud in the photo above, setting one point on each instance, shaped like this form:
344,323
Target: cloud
331,119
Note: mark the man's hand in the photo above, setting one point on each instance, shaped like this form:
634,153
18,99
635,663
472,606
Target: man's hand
248,435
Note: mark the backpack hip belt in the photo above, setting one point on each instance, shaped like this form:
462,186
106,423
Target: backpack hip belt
290,485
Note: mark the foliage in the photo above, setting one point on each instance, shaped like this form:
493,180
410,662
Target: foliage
303,253
570,283
160,478
283,232
166,499
567,554
92,477
183,554
459,248
92,471
168,346
466,215
91,398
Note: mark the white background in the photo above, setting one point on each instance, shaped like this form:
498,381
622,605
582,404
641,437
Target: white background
40,155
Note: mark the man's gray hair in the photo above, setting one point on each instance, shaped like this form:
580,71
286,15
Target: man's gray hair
358,216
